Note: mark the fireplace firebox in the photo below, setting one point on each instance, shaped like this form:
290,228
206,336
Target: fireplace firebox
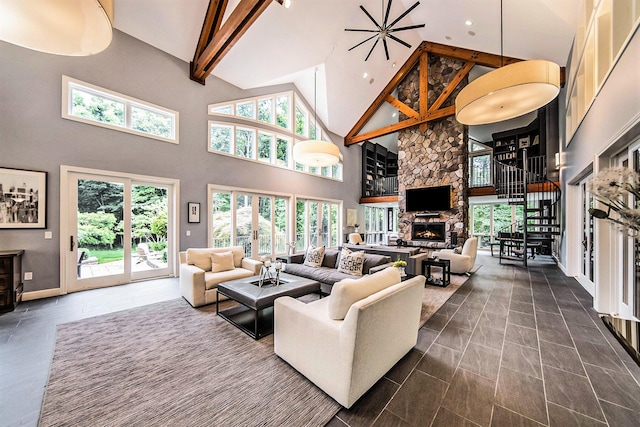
428,231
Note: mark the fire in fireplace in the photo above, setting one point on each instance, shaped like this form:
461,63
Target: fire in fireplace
428,231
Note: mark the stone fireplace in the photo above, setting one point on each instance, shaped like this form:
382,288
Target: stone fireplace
435,155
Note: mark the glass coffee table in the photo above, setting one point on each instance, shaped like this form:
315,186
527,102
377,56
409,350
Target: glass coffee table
254,315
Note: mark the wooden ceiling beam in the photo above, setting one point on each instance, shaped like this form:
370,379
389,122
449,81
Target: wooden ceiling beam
211,24
221,38
401,74
462,73
410,122
402,107
480,58
433,112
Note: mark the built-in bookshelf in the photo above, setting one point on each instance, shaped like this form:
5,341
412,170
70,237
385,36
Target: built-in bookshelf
378,163
509,146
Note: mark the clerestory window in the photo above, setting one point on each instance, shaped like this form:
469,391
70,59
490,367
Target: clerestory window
87,103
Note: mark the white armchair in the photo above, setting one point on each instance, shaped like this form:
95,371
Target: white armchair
355,238
464,261
345,343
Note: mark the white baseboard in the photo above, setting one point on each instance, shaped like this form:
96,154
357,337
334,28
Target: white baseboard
562,267
45,293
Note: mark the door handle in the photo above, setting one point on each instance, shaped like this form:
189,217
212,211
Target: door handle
71,244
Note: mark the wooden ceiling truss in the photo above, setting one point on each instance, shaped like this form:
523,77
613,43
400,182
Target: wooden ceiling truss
427,112
216,39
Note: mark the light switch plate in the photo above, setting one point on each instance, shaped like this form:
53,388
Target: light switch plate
48,235
28,275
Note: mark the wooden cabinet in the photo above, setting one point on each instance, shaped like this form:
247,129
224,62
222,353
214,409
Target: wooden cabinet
10,279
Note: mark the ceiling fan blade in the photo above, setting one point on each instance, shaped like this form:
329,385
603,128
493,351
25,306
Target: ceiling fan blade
391,36
372,47
363,31
410,27
404,13
386,15
363,42
386,49
370,17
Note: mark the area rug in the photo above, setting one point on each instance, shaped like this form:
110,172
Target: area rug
169,364
435,296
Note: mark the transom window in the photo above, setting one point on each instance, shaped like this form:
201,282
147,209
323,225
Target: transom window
87,103
271,125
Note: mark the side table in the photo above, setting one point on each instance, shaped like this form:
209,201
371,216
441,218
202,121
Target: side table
444,264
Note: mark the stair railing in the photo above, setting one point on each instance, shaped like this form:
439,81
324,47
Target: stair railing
514,185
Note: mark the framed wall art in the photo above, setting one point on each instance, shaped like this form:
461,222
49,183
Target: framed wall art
194,212
23,198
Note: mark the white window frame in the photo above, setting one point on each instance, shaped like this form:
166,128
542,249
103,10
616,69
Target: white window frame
69,83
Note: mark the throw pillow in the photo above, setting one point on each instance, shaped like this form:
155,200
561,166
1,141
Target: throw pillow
349,291
222,261
314,256
351,262
201,258
457,250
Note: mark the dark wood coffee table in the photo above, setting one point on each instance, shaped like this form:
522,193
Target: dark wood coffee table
254,315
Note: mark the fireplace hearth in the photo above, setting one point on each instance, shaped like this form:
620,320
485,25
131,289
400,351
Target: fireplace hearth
428,231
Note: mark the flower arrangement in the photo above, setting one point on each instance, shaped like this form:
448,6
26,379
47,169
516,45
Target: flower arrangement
612,187
399,263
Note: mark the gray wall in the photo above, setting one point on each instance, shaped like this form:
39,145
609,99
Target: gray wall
34,136
616,106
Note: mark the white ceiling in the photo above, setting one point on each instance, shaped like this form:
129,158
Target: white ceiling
286,45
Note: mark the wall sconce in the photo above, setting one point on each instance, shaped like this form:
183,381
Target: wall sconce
561,160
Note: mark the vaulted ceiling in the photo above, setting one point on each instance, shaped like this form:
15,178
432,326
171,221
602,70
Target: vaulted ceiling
285,45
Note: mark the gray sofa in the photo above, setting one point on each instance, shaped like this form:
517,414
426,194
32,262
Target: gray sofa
328,273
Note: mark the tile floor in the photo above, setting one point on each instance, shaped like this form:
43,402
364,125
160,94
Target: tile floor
512,347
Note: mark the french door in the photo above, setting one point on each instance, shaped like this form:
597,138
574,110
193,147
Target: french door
115,229
257,222
587,257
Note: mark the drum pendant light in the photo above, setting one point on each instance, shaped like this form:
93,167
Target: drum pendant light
316,153
60,27
509,91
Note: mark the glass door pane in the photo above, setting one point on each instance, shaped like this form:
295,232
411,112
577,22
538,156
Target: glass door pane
221,220
334,226
96,233
149,236
325,224
313,224
244,223
280,226
265,225
301,225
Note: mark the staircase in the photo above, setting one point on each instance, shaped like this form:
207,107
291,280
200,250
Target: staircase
537,232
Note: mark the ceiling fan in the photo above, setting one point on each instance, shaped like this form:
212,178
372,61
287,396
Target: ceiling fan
384,30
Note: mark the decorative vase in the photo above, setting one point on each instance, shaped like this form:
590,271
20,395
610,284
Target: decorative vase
402,272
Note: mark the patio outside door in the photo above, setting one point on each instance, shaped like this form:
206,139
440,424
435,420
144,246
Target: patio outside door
117,230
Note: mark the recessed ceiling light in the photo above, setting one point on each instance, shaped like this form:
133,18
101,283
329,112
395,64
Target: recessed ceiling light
287,3
393,115
467,22
471,33
371,81
364,76
447,37
393,65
